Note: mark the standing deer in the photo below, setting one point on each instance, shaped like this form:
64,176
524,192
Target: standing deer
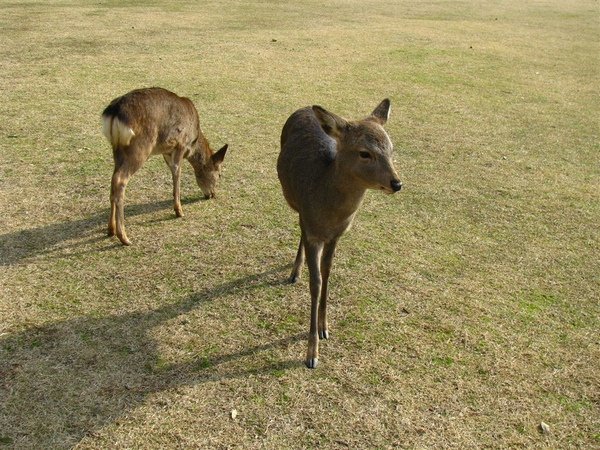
154,121
325,166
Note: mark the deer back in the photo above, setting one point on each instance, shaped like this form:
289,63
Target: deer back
157,118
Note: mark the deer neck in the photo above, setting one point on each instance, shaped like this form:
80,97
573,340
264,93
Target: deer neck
201,153
347,192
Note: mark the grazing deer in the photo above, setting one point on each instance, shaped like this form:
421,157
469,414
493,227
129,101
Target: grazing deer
154,121
325,166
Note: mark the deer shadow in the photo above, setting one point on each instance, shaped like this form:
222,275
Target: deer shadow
63,381
21,245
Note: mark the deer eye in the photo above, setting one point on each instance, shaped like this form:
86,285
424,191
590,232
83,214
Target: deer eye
365,155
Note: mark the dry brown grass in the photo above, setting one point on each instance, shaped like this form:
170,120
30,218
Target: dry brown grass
464,311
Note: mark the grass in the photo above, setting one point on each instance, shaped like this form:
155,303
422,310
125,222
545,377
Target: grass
464,311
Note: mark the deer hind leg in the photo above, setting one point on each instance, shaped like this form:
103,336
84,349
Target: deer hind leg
295,275
124,169
119,160
112,219
326,260
313,256
119,182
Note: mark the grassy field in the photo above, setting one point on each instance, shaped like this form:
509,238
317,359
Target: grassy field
464,311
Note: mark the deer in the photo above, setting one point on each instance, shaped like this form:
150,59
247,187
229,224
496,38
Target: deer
155,121
325,166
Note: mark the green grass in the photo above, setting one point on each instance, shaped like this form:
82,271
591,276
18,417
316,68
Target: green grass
464,310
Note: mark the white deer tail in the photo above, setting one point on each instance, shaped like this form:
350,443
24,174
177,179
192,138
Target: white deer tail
117,133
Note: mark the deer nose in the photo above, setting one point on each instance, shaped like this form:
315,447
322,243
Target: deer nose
396,185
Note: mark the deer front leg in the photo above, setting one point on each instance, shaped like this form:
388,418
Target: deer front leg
326,260
174,163
313,256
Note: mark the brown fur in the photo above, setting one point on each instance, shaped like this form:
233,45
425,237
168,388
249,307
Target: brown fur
325,166
154,121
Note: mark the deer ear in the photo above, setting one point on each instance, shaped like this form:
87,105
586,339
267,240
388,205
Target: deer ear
217,158
332,125
381,114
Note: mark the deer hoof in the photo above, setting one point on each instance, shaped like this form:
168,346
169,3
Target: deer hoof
293,279
124,240
324,334
178,213
312,363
